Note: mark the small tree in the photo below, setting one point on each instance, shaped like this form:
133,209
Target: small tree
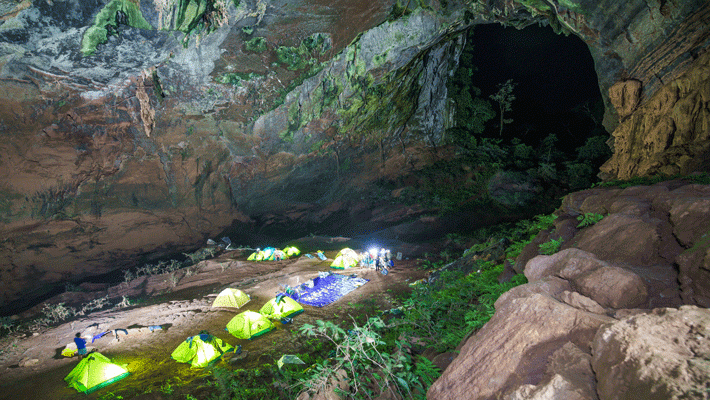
504,97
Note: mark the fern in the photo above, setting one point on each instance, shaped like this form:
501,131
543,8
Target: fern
588,219
551,247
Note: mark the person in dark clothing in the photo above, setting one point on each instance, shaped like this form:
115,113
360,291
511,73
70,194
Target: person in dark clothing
80,345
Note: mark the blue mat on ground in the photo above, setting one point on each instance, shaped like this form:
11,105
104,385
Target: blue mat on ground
324,290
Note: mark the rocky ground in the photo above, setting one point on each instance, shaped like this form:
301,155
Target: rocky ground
32,363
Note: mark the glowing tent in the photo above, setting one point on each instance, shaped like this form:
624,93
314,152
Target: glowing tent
200,350
346,258
94,372
281,307
249,324
263,255
229,297
291,251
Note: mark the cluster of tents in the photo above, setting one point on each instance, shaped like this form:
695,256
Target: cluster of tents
349,258
199,351
96,371
272,253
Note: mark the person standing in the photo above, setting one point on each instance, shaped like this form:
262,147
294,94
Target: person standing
80,345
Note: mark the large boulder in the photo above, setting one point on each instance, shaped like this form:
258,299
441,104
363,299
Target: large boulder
572,378
515,347
659,355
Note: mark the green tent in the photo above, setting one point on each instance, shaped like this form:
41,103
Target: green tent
249,324
200,350
346,258
94,372
291,251
267,254
229,297
281,307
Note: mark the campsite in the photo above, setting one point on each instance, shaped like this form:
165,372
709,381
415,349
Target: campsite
165,315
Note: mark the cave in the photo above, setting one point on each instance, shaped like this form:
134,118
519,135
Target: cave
556,91
539,161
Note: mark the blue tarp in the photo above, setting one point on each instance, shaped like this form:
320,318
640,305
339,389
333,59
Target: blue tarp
324,290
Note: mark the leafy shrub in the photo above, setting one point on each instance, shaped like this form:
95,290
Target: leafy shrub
54,313
551,247
371,370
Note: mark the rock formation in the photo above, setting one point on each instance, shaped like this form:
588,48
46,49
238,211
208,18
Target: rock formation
604,318
135,130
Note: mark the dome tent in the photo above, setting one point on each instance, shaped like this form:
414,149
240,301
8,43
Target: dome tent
229,297
94,372
281,307
249,324
201,350
291,251
346,258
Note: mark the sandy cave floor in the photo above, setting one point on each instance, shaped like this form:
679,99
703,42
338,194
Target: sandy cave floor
185,310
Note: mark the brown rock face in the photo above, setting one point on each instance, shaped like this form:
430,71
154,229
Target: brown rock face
669,133
538,345
660,355
625,96
572,379
514,347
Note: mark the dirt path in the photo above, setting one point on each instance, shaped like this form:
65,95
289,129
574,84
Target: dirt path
33,367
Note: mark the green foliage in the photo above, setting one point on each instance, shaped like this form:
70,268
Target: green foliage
373,363
525,231
588,219
54,313
504,97
443,315
594,149
167,388
248,30
471,111
255,45
236,78
398,10
7,325
702,179
305,54
551,247
107,18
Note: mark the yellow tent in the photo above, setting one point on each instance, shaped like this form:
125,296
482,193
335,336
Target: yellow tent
200,350
94,372
249,324
291,251
346,258
281,307
229,297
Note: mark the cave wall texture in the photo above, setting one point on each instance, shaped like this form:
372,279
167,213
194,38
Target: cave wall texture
133,130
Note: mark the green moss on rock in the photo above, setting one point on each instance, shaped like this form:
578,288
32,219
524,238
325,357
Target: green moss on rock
98,33
255,45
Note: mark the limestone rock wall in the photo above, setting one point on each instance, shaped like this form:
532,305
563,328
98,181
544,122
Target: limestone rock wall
254,116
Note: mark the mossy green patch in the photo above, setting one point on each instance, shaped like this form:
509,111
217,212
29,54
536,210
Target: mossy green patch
702,243
305,54
255,45
110,15
236,78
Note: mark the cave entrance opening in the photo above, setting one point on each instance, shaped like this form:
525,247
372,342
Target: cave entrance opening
527,106
555,84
